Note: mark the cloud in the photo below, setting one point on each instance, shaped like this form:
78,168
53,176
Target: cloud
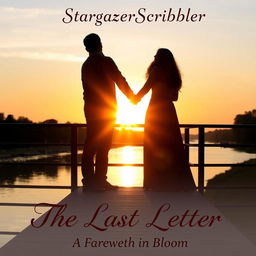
14,14
51,56
32,28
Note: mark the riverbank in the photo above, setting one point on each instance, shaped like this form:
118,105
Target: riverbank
238,205
25,153
236,176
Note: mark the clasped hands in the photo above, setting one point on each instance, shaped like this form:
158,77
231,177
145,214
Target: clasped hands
135,99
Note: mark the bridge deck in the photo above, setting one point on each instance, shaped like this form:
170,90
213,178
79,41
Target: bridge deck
222,238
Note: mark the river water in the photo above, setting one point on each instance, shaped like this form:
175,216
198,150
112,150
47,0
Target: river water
17,218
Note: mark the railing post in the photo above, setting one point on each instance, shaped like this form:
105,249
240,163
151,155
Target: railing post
187,139
201,160
73,144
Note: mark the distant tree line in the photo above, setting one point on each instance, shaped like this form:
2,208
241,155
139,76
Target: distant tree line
247,136
35,134
62,134
236,135
11,119
44,134
220,136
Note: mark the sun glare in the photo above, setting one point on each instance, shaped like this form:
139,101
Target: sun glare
129,114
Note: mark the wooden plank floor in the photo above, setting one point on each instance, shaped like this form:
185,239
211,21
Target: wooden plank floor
239,206
222,238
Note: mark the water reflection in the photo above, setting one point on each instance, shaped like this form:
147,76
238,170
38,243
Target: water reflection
33,174
30,171
13,174
127,176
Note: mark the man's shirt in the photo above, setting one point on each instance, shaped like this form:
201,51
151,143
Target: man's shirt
99,76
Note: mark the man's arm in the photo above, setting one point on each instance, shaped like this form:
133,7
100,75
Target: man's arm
120,80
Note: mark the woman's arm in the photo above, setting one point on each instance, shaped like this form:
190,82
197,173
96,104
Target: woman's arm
148,85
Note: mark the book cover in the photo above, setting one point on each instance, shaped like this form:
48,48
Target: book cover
55,95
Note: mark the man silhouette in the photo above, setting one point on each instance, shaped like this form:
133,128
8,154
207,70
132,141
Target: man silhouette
99,76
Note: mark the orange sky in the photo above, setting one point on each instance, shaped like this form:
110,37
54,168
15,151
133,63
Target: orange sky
41,57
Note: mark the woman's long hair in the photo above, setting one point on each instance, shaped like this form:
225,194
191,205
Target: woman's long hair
166,63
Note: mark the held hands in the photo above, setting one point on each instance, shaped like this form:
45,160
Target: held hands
135,99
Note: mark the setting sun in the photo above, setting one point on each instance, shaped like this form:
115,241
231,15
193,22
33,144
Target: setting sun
128,113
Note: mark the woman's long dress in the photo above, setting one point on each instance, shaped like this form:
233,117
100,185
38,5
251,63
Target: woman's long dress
165,163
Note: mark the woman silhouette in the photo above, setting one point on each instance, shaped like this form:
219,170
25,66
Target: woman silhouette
165,164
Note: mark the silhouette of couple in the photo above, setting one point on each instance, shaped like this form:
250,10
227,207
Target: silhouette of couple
165,164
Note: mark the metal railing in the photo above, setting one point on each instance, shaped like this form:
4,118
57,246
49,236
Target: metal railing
201,145
73,144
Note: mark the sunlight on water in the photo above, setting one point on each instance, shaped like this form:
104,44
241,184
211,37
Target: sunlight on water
129,175
126,176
